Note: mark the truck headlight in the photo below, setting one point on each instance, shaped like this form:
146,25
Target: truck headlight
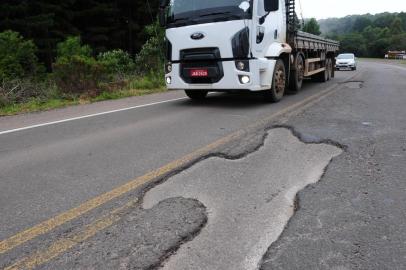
168,80
244,79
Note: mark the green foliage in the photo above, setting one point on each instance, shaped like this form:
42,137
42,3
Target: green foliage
353,43
79,75
17,57
72,47
368,35
117,62
396,26
104,25
149,81
76,71
312,27
361,23
151,57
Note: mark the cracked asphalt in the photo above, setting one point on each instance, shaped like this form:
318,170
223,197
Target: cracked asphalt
236,205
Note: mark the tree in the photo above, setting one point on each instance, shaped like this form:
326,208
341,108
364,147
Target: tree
103,24
312,27
17,56
396,26
353,43
46,22
361,23
398,42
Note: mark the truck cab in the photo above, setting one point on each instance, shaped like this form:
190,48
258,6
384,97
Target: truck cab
223,45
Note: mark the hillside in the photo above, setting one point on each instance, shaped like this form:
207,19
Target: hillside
368,35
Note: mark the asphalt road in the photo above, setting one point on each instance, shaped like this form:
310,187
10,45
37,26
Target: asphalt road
72,181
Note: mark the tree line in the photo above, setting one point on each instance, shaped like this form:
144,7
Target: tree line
102,24
119,24
368,35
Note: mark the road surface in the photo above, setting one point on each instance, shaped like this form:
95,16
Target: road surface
314,182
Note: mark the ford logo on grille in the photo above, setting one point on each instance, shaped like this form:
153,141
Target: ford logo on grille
197,36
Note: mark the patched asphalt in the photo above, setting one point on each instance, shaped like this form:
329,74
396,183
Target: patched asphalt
249,200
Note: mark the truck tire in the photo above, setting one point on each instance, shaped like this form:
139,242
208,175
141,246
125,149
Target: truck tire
275,94
296,76
196,94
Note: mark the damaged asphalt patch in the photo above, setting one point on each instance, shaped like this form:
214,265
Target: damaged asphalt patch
141,240
249,201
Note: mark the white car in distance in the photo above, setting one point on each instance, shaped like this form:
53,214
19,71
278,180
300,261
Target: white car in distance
346,61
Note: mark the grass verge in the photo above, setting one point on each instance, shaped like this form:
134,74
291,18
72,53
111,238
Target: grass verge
36,105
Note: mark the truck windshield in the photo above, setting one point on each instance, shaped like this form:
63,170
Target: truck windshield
187,12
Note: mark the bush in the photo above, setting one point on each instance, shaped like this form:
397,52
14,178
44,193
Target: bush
150,60
17,57
72,47
79,75
117,62
24,90
149,81
76,71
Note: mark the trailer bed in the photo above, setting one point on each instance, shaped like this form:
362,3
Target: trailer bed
306,41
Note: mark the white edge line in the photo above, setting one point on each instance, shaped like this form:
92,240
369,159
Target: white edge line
88,116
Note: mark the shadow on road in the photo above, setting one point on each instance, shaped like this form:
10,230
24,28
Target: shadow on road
240,100
229,101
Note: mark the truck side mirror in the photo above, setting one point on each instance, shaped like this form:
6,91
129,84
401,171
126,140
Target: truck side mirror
271,5
163,4
162,17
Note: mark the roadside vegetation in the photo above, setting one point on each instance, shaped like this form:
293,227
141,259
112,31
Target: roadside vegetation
78,74
368,35
55,54
364,35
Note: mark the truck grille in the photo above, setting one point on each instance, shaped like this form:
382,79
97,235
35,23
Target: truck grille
207,58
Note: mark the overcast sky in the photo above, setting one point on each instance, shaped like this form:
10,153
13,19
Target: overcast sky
322,9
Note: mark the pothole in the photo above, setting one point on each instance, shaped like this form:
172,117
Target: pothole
249,201
353,84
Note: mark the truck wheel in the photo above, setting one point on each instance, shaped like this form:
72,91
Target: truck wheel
275,94
297,76
196,94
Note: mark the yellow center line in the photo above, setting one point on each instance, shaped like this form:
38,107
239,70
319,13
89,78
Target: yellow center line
87,206
66,243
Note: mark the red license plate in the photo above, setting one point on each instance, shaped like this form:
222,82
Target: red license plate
199,73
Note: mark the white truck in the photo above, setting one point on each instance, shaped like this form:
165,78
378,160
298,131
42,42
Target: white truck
241,45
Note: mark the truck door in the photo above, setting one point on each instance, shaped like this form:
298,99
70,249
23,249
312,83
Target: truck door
268,25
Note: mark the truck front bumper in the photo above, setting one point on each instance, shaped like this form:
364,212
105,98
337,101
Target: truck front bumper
260,77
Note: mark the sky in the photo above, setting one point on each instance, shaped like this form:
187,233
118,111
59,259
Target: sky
322,9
